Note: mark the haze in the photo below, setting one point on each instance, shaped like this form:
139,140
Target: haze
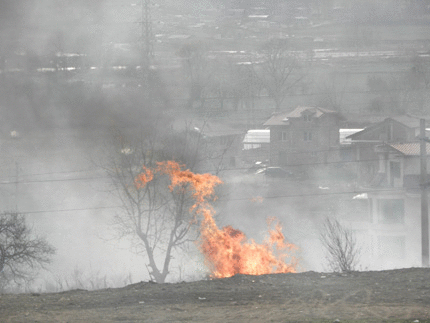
71,76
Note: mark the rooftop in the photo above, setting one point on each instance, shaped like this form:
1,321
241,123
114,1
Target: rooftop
406,120
410,149
205,127
257,136
281,118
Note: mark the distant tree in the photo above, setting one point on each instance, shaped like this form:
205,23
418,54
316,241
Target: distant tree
417,84
246,87
21,253
342,251
388,95
280,70
403,93
333,90
197,71
419,73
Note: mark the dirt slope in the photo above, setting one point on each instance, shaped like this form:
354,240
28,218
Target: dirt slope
384,296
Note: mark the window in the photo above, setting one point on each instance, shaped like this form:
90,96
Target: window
283,136
306,117
391,211
307,136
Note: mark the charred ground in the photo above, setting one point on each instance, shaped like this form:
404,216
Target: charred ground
384,296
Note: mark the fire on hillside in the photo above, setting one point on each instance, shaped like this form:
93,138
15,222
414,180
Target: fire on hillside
227,251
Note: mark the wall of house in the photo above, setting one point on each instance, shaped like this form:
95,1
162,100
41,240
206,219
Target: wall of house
391,238
388,132
412,165
222,152
396,229
281,140
303,142
367,162
400,133
393,166
397,167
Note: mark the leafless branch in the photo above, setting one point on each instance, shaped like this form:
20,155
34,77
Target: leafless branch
340,245
160,218
20,251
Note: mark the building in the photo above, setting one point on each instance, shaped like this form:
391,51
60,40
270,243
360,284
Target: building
393,227
256,145
216,146
398,129
304,136
388,167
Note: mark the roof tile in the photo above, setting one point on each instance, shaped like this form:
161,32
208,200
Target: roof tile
410,149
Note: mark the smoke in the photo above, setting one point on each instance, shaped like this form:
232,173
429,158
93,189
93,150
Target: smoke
71,78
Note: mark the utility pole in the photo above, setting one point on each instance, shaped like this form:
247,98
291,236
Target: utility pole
147,46
424,196
147,36
16,185
146,55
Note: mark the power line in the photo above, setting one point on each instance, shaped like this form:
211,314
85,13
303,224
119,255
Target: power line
250,198
74,210
55,180
246,155
207,170
54,173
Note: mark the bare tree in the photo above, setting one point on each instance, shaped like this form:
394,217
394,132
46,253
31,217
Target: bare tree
20,251
279,71
342,251
393,95
156,214
246,87
197,71
334,89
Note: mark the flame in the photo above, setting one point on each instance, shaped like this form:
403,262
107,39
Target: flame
257,199
143,178
227,251
201,186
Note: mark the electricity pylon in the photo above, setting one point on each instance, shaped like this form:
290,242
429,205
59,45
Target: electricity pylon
146,35
147,50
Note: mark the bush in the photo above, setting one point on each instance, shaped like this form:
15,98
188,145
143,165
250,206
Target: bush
342,252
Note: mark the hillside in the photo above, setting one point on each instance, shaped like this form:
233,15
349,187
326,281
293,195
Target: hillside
385,296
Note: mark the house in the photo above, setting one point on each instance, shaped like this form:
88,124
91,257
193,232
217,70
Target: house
304,136
392,231
217,145
398,129
387,156
256,145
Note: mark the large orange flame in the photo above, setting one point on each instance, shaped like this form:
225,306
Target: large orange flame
227,251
